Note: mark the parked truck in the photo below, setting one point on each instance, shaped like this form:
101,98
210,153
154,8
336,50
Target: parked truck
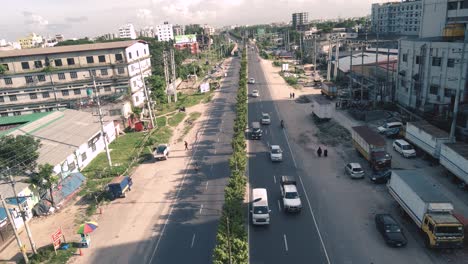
426,137
329,89
454,157
322,108
291,199
432,212
118,187
372,146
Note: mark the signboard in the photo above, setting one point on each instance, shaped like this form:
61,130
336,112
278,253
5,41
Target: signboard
57,239
185,39
284,67
204,87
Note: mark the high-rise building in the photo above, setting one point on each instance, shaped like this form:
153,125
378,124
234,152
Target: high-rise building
127,31
147,32
178,30
165,32
27,88
300,19
400,18
208,30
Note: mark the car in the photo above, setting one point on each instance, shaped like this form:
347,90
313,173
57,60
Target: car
354,170
291,199
390,230
161,152
389,126
255,93
265,119
404,148
276,154
380,176
251,80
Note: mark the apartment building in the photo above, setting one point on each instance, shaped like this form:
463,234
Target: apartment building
400,18
31,41
127,31
208,30
165,32
46,79
300,19
178,30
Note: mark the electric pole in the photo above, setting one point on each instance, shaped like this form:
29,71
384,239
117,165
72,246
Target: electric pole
461,78
173,79
148,99
106,145
166,74
15,231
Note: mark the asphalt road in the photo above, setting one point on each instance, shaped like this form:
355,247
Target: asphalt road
189,236
290,238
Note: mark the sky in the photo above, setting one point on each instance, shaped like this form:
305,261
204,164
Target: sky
80,18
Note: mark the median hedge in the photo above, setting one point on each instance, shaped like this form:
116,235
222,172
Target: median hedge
232,245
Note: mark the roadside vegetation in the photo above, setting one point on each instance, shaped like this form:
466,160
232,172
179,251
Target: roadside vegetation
232,244
188,124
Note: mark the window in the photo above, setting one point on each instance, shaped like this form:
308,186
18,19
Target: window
434,89
38,64
418,59
61,76
452,5
71,61
41,78
130,55
144,51
33,96
121,70
104,72
405,57
25,65
45,95
90,59
449,92
451,63
58,62
102,58
83,157
436,61
464,4
6,67
77,91
73,75
71,166
13,98
29,79
18,113
2,99
118,57
65,93
107,88
8,81
431,227
138,54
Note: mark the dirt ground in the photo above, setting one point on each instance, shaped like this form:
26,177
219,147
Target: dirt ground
66,218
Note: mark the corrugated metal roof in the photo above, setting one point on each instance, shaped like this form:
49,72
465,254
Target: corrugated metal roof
460,148
11,123
430,129
428,190
369,58
66,49
369,135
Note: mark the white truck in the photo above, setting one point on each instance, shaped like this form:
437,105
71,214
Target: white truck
161,152
454,157
291,199
423,201
322,108
426,137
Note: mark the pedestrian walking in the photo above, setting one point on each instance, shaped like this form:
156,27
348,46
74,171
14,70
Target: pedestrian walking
186,145
294,95
325,152
319,151
290,95
130,183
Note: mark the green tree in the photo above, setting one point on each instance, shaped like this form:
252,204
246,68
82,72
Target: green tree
19,153
157,85
45,180
2,69
75,42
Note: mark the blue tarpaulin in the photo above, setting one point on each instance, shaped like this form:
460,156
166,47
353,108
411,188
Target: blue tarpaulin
67,187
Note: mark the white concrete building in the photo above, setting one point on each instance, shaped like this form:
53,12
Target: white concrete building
401,18
27,87
127,31
208,30
165,32
179,30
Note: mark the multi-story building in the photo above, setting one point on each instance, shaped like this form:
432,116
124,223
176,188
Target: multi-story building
178,30
208,30
31,41
400,18
300,19
187,42
431,69
44,79
147,32
165,32
127,31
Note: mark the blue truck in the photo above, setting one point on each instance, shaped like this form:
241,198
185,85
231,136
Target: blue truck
118,187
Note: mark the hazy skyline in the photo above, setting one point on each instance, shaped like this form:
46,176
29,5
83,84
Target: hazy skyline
91,18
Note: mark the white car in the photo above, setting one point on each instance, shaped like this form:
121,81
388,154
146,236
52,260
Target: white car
291,199
251,80
161,152
265,119
354,170
389,126
276,154
255,93
404,148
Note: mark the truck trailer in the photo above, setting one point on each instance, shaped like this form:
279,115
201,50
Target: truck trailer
372,146
322,108
426,137
329,89
454,157
432,211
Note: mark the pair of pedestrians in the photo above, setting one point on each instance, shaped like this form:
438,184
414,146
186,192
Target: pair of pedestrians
319,152
292,95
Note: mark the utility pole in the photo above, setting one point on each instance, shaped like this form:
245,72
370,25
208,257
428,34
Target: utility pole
145,89
166,74
461,78
173,82
350,71
98,100
15,231
337,58
315,53
330,47
22,213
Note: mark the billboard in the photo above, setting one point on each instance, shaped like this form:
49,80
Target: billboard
285,67
186,38
204,87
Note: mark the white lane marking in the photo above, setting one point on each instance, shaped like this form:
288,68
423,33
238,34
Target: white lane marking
266,132
279,206
193,241
274,178
218,140
206,186
285,242
201,208
215,152
315,221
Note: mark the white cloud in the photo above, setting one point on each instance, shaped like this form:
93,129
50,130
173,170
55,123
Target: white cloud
145,15
35,19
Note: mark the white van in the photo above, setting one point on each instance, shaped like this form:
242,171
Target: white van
389,126
260,211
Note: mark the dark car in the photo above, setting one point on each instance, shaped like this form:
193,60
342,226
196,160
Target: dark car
380,176
390,230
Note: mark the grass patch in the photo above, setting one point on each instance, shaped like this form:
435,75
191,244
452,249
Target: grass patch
161,121
47,255
188,124
186,100
174,120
